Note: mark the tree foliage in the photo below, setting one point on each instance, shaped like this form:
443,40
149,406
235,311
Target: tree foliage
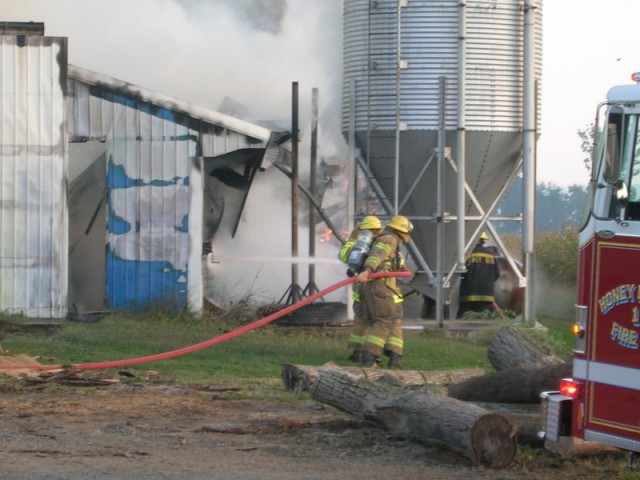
557,255
556,207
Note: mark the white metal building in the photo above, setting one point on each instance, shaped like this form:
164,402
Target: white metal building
108,190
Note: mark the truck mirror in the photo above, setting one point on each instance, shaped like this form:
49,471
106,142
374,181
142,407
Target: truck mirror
622,193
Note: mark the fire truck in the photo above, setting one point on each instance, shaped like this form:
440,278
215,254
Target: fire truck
601,402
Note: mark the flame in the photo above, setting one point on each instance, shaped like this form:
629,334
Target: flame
325,236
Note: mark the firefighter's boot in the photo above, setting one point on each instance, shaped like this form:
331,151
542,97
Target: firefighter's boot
395,361
367,359
356,356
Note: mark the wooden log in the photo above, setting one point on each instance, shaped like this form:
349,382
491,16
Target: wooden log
514,385
528,425
525,417
300,377
515,347
483,437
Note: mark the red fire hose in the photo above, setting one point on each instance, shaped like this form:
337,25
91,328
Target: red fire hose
208,343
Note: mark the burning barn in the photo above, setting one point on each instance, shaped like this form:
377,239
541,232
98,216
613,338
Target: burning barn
109,192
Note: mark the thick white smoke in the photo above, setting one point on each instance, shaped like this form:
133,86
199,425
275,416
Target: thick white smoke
202,51
214,52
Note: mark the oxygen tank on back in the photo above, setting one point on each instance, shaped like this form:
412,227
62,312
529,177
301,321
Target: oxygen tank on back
360,251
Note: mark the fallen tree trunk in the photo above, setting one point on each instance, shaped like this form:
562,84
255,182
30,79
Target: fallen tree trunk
485,438
515,347
514,385
300,377
528,425
525,417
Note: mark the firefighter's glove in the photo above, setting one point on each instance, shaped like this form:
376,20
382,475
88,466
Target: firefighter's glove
363,276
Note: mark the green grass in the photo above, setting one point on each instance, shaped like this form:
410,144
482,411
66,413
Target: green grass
256,355
254,358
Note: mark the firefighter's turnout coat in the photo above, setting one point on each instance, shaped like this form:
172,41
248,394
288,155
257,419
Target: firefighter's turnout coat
382,298
359,327
477,286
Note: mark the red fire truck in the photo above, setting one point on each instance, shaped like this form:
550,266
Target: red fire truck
601,403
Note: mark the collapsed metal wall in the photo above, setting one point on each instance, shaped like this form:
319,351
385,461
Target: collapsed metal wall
33,175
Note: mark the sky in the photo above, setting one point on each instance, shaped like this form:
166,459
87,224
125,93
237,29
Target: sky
588,47
251,51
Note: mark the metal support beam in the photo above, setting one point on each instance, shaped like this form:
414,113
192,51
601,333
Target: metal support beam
485,218
440,203
311,287
528,149
295,294
387,205
461,141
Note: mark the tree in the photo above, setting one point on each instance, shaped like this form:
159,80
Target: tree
557,207
587,137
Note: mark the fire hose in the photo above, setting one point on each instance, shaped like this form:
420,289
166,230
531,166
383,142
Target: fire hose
212,341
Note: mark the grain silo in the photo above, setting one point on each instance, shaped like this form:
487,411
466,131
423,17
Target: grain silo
439,108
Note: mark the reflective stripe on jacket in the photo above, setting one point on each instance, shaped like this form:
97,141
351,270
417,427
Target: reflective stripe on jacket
343,256
478,281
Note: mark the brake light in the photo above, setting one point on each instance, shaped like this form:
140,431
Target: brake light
569,388
635,77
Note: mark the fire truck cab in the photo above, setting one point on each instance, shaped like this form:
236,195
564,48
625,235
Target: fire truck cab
601,402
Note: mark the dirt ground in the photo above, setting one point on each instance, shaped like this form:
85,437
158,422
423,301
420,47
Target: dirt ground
163,431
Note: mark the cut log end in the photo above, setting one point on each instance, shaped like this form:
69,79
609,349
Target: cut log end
493,441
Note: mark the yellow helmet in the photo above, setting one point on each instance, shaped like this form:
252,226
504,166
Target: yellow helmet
370,222
484,236
400,223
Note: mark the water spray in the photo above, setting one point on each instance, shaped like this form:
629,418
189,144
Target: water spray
265,259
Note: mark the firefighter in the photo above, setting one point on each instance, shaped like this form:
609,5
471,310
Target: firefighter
381,298
478,282
360,241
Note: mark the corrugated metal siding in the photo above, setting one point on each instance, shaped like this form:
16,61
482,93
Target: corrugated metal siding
33,169
430,46
154,213
148,209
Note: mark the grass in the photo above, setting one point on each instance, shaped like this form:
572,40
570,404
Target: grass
256,355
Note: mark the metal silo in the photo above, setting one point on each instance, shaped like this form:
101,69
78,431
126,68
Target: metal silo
438,106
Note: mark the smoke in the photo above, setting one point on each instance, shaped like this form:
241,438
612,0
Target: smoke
202,51
553,299
264,15
240,54
256,264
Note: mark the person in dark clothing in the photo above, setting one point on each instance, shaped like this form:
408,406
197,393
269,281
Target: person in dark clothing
478,282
